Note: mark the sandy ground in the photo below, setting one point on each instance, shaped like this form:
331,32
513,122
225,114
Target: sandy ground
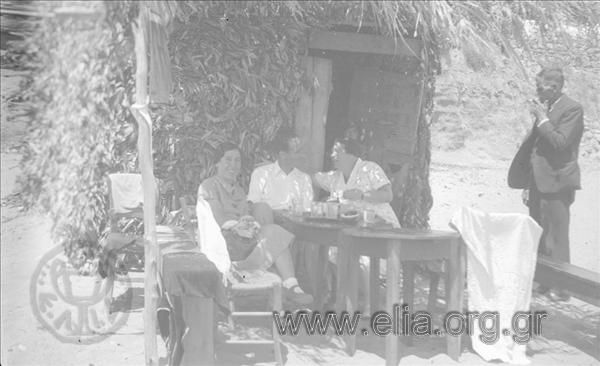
570,335
482,185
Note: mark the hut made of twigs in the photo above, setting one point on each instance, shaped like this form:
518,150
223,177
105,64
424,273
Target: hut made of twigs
240,71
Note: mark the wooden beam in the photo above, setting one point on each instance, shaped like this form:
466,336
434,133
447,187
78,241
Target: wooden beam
142,116
581,282
363,43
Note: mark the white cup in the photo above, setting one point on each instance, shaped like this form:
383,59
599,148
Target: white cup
369,216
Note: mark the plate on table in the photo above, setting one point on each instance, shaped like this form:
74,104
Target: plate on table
310,218
350,216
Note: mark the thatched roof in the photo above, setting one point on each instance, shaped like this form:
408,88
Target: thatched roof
490,29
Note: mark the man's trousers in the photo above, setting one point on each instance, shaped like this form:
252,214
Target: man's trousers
551,211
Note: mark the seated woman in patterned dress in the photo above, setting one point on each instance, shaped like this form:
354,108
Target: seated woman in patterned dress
228,202
357,183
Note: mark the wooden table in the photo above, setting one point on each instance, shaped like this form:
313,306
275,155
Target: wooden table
324,234
398,245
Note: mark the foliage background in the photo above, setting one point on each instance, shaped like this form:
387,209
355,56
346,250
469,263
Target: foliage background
236,72
237,77
80,122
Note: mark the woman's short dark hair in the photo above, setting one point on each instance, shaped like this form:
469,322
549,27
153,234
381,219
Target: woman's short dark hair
351,146
223,148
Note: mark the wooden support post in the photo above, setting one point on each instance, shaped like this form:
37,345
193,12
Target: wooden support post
142,116
311,114
392,298
456,288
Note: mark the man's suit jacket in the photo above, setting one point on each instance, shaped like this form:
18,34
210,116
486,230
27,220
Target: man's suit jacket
549,153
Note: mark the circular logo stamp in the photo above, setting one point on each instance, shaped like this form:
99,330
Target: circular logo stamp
74,308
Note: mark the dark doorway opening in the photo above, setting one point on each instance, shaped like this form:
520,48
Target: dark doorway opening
338,119
373,95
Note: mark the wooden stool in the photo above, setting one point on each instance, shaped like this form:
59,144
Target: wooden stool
269,284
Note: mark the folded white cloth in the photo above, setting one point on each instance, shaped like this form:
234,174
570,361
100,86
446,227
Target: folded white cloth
501,260
210,239
127,193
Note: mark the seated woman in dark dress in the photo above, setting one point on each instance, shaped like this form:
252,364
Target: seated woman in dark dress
228,203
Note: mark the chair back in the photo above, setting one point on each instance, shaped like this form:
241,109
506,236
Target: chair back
125,197
126,194
190,222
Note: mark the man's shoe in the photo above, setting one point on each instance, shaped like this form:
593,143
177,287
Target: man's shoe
297,297
558,295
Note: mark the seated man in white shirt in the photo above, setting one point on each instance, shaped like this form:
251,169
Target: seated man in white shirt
280,185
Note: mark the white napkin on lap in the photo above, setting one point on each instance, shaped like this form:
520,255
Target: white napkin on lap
210,239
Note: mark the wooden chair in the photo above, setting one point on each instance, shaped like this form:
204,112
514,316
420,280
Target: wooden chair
268,284
189,218
120,252
119,248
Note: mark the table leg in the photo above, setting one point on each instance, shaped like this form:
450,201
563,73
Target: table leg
321,275
342,275
198,342
433,292
408,284
408,291
392,298
347,287
374,285
277,306
456,271
315,269
310,256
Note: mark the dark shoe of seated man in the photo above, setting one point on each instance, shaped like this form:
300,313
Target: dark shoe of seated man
293,293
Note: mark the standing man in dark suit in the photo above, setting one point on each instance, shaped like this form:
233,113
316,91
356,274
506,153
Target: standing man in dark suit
551,171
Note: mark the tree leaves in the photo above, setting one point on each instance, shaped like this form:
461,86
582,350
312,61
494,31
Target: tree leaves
238,80
81,81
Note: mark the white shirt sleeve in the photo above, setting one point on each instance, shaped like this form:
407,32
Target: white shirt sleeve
377,177
257,185
307,192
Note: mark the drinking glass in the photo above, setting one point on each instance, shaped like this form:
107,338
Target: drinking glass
332,210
